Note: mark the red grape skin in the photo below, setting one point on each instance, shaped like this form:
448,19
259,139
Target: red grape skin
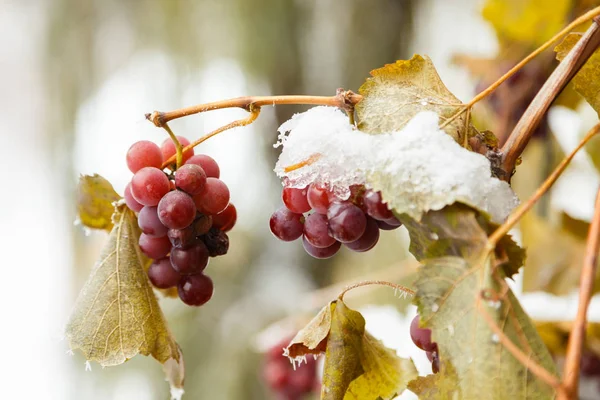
324,253
182,238
176,210
130,201
225,220
387,226
162,275
195,290
190,178
214,198
286,225
421,336
168,148
154,247
191,260
318,197
316,231
375,207
368,240
347,222
208,164
202,224
276,374
149,185
150,224
143,154
295,200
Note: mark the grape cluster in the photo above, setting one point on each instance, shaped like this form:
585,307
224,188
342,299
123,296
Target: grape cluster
183,217
421,337
286,382
355,222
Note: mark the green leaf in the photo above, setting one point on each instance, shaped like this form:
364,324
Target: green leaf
397,92
440,386
587,81
459,230
95,198
116,315
357,366
528,21
451,303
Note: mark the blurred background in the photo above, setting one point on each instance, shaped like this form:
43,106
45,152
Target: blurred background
78,77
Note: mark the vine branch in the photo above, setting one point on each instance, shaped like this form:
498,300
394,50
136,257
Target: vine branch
403,289
586,286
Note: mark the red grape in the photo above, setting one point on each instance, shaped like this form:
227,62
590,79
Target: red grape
143,154
225,220
154,247
182,238
368,240
190,260
315,231
168,148
286,225
202,224
190,178
385,226
214,198
216,242
176,210
149,185
347,222
195,290
162,275
421,336
149,223
208,164
323,253
375,207
130,201
318,198
295,200
276,374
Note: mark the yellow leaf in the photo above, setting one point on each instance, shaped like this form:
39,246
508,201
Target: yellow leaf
397,92
116,315
95,198
440,386
528,21
357,366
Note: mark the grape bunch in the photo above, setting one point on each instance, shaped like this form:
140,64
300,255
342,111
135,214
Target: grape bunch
354,222
421,337
286,382
183,217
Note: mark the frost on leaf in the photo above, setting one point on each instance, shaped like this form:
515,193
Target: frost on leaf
450,292
417,169
397,92
461,231
357,366
95,198
587,81
116,315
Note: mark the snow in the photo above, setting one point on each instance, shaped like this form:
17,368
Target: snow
417,169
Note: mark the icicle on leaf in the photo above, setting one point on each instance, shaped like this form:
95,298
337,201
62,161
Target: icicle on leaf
397,92
451,302
440,386
116,315
95,198
531,22
357,366
459,230
587,81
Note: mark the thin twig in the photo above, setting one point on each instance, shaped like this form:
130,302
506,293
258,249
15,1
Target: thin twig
404,289
527,361
240,122
523,208
586,286
178,147
344,99
560,77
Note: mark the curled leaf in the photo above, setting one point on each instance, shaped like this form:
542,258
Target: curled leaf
440,386
357,366
116,315
95,198
397,92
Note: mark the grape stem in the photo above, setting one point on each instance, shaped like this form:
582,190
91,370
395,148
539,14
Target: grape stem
586,286
403,289
178,148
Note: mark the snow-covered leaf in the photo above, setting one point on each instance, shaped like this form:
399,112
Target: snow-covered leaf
397,92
